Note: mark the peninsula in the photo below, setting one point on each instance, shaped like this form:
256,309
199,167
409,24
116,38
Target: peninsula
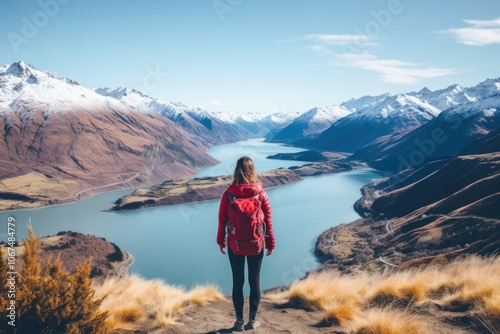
207,188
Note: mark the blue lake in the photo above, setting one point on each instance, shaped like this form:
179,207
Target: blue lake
177,243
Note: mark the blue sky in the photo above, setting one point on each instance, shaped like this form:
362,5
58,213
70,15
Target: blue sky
256,55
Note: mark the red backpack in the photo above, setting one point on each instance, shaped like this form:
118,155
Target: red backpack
246,225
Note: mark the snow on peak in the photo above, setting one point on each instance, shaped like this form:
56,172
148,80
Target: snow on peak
392,106
132,98
424,91
487,88
445,98
329,114
364,102
20,69
175,111
22,84
484,100
119,92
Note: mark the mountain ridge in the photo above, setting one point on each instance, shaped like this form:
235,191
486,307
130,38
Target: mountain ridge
78,140
310,123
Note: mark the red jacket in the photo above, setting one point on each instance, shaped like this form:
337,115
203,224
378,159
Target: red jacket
245,190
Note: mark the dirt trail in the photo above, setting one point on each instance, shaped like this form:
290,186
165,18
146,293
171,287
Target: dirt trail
218,317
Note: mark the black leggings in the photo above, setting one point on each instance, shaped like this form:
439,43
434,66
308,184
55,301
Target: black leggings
238,269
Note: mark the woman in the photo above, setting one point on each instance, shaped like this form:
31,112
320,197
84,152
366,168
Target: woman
245,184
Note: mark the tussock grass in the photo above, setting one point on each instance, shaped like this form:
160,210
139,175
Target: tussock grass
341,297
388,321
391,302
133,301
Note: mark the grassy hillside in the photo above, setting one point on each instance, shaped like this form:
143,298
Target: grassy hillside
457,297
463,295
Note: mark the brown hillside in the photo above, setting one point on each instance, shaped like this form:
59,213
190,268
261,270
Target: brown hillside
456,176
95,148
75,248
451,210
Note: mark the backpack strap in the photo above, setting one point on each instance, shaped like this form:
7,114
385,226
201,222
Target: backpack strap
230,197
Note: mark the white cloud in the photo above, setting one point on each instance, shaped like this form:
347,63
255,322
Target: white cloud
341,39
481,32
484,23
392,71
319,49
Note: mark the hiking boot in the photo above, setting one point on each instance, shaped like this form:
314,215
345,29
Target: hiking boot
238,325
252,324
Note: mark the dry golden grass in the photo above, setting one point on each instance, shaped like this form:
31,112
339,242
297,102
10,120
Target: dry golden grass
366,302
388,321
340,298
38,186
133,301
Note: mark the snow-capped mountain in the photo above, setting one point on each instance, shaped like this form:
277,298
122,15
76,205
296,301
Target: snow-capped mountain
453,130
279,119
22,84
252,123
374,117
81,139
404,112
456,95
364,102
264,124
443,99
487,88
310,123
213,127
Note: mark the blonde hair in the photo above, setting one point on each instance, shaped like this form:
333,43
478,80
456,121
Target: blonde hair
244,172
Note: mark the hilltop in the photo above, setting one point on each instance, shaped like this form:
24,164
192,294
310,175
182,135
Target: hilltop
75,248
460,297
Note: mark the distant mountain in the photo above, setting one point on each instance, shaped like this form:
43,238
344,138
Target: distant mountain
452,131
251,123
372,118
310,124
443,99
265,125
78,139
436,211
365,102
212,128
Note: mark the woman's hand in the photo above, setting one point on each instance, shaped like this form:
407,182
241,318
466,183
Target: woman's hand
269,252
222,250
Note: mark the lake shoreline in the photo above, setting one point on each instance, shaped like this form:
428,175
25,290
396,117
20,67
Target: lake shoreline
178,222
186,191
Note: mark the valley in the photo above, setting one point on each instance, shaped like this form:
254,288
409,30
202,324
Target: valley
61,148
431,198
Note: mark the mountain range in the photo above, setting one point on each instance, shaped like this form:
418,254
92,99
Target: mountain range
443,196
385,130
62,141
70,134
61,135
309,124
443,136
